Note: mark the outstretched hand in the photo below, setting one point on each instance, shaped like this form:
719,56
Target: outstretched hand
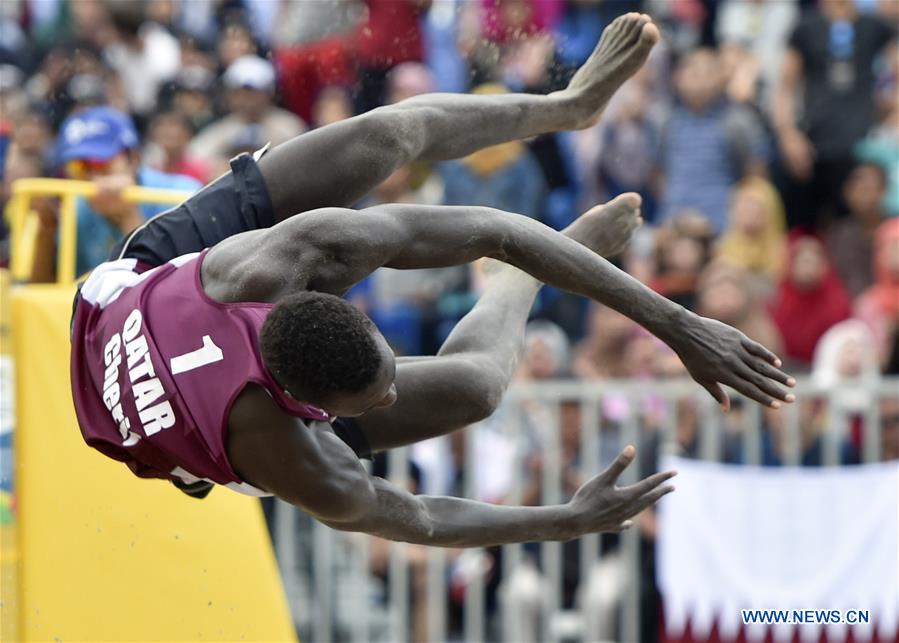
599,505
716,354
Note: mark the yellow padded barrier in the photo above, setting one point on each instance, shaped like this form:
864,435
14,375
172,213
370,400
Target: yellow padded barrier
9,555
18,209
104,556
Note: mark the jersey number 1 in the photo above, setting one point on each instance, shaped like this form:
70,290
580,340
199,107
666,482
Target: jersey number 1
209,353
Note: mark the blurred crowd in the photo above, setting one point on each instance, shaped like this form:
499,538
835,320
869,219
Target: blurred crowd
763,137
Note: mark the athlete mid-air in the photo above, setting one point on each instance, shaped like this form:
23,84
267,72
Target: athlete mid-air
241,365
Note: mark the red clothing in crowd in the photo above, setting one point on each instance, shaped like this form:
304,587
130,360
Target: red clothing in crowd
803,314
191,167
878,306
304,70
504,20
392,34
885,290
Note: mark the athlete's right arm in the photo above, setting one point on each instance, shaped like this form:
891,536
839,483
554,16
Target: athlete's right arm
315,470
331,249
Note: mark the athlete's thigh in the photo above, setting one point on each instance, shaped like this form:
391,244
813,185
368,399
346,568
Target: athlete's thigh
234,203
435,395
332,166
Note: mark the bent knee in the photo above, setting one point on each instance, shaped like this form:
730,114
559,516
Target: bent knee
395,134
484,387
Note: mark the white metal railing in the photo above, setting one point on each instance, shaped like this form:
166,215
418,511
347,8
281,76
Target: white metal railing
335,597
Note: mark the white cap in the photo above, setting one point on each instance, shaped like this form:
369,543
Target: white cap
251,71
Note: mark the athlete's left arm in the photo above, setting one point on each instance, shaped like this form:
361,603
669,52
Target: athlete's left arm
313,469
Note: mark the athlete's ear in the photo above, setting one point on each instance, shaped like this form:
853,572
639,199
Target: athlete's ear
389,399
295,398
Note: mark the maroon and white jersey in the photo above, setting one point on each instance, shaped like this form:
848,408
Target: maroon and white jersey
157,364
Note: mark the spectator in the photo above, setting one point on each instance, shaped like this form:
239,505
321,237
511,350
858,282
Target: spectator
639,259
332,104
878,306
443,55
600,355
829,67
101,145
756,237
90,90
778,440
48,86
547,351
314,51
303,23
528,65
390,36
407,80
506,20
250,85
761,28
725,295
504,176
13,98
682,250
630,147
191,94
197,53
708,144
16,165
846,366
33,136
882,147
599,593
170,134
810,298
144,56
235,41
605,353
581,24
850,241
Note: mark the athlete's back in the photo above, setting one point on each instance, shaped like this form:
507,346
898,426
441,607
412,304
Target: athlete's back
157,364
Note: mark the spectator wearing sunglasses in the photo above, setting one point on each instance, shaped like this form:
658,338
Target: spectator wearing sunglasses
101,145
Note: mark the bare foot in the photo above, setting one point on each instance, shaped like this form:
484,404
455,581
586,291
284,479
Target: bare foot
607,229
623,48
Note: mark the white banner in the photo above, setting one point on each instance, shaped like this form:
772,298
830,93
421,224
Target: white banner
789,538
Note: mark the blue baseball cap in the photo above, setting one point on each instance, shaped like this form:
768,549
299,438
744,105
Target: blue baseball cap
96,133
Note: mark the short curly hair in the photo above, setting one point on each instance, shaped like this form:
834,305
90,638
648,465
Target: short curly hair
321,344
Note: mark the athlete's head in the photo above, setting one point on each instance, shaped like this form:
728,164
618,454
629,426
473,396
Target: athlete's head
325,352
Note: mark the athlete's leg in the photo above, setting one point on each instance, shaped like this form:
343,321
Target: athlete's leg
235,202
466,380
338,164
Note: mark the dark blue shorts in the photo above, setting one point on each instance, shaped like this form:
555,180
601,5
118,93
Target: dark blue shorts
235,202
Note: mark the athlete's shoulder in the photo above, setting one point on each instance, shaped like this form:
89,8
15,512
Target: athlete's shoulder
109,280
255,406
